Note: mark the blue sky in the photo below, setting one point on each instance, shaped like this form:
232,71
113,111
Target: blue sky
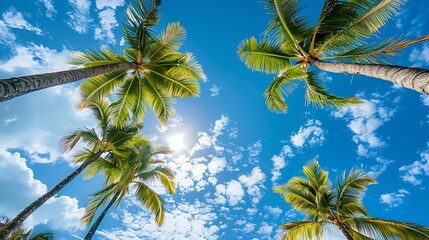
235,149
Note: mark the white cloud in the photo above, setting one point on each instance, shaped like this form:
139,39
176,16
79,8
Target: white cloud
79,18
6,36
216,165
255,149
14,19
174,123
254,182
34,59
394,199
420,57
311,133
379,168
214,90
122,42
19,188
364,120
425,99
107,20
265,230
411,173
185,221
279,161
49,7
234,192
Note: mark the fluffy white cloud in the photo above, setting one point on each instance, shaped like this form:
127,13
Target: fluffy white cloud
254,182
394,199
255,149
364,120
19,188
49,7
109,3
411,173
265,230
6,36
279,161
234,192
174,123
186,221
420,57
379,168
425,99
79,17
107,20
34,59
311,133
214,90
14,19
216,165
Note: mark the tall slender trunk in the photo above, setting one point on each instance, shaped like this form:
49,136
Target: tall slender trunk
413,78
97,222
14,87
24,214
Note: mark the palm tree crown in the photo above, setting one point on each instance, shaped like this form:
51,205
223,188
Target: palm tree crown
291,45
161,72
340,206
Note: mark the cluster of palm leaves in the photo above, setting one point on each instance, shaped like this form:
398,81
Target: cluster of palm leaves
291,45
152,73
339,205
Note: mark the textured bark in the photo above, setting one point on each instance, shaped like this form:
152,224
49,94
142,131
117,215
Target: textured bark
412,78
24,214
13,87
97,222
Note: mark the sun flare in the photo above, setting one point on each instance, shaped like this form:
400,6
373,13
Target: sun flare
176,142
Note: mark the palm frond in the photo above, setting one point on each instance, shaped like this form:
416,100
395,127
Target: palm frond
184,65
164,174
300,200
160,102
96,58
282,85
130,94
151,200
380,228
169,40
264,56
302,230
102,111
97,201
287,25
316,93
100,86
364,26
68,142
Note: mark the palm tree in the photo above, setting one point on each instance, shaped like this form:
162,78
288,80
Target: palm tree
340,206
151,71
107,139
131,173
335,43
21,234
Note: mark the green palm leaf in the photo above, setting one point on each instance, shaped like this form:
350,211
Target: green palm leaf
96,58
315,93
151,200
97,201
169,40
303,230
173,83
160,102
264,56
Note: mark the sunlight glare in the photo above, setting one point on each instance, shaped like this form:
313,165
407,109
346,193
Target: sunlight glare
176,143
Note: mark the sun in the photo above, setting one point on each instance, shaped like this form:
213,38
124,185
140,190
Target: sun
176,142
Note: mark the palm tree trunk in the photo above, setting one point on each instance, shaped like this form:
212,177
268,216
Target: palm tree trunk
24,214
343,229
13,87
97,222
412,78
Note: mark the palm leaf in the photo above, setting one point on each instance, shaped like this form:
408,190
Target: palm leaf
169,40
282,85
263,56
151,200
303,230
173,83
96,58
160,102
316,93
97,201
164,174
184,65
129,95
380,228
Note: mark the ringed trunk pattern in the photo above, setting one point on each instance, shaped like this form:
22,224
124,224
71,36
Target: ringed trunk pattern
97,222
24,214
14,87
413,78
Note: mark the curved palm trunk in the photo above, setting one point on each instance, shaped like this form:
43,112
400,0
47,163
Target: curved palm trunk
13,87
97,222
24,214
412,78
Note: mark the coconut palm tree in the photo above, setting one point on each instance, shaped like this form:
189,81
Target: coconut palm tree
337,42
107,139
151,71
131,173
22,234
340,206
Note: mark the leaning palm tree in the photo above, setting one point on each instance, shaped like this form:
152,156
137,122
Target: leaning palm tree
130,173
339,206
106,139
151,71
22,234
337,43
